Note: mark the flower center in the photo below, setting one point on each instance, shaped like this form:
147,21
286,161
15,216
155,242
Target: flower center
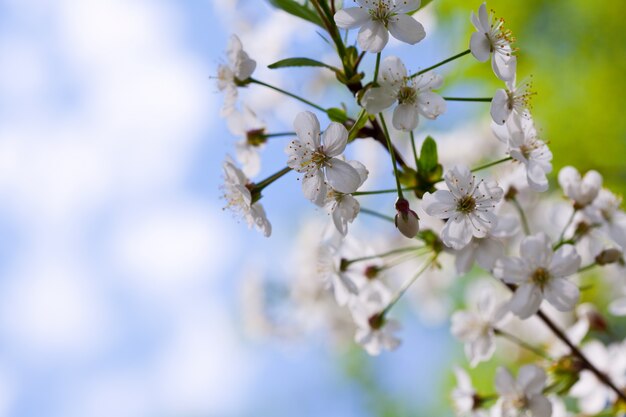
466,204
407,95
319,158
382,12
541,276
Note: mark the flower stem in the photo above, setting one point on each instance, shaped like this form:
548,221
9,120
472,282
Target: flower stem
382,255
587,267
414,150
267,181
376,68
276,135
255,81
377,214
354,129
569,221
522,216
408,284
490,164
478,99
522,344
445,61
393,155
387,191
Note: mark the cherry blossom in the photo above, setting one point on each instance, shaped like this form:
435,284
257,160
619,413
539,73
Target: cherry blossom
476,328
247,125
520,135
464,396
514,99
237,194
316,157
378,18
413,94
343,206
491,39
239,68
540,273
523,396
467,205
582,190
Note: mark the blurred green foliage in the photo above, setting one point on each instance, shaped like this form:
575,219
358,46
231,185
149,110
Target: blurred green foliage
576,52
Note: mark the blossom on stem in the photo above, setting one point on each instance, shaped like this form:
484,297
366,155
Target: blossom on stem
540,273
514,99
316,157
582,190
413,94
492,39
375,332
237,193
247,125
239,68
468,207
520,135
477,328
343,206
523,396
343,283
378,18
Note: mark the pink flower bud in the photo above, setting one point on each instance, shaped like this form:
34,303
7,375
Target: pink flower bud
406,221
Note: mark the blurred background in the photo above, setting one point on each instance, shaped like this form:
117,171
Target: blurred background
125,288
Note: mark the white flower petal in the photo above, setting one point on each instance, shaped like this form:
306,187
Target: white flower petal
392,71
500,111
457,232
480,46
373,36
562,294
406,29
345,212
540,406
565,261
505,384
351,17
537,249
526,300
335,139
431,105
342,176
405,117
307,129
440,204
511,270
483,16
313,185
531,379
406,6
504,66
377,99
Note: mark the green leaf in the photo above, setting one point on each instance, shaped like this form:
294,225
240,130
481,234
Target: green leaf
428,156
300,62
294,8
422,5
337,115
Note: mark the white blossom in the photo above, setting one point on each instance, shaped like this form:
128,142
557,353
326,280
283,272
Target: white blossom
343,206
514,99
467,205
476,328
605,211
343,283
524,396
378,18
247,125
464,396
239,68
540,273
520,135
317,158
413,94
492,39
374,331
581,190
239,198
593,395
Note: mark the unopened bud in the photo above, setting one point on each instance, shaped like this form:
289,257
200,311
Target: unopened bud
609,256
406,220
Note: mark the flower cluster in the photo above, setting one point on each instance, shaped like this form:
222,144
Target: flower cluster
503,226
